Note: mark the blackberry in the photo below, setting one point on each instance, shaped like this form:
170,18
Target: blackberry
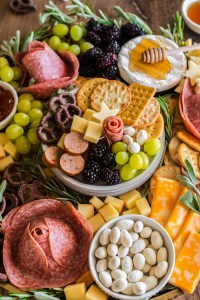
95,26
130,31
112,47
97,150
106,59
91,173
108,160
109,72
110,176
115,178
87,70
94,38
91,55
113,31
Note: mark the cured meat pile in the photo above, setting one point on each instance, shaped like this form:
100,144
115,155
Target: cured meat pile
113,129
189,105
49,71
46,244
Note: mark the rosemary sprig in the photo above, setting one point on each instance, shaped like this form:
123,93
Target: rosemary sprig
41,294
11,47
192,197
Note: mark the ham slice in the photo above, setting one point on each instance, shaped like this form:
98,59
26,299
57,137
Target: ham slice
49,70
113,129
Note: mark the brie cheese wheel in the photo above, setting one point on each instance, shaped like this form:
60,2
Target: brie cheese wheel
178,62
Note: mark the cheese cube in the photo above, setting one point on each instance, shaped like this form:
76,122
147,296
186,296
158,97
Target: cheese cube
143,207
117,203
60,143
4,162
3,138
186,273
96,222
88,115
132,211
108,212
130,198
87,210
11,149
95,293
79,124
2,152
75,291
96,202
93,132
86,278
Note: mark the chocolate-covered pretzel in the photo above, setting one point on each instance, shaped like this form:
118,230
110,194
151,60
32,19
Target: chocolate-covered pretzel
39,190
22,6
16,175
48,133
65,114
11,202
30,192
62,99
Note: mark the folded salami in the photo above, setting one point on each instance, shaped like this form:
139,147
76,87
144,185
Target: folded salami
48,70
113,129
46,244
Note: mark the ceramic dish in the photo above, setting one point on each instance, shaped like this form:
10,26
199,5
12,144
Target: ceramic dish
192,25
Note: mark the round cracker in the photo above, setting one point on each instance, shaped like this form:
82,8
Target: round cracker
155,130
150,114
114,93
173,149
185,152
80,81
168,160
85,92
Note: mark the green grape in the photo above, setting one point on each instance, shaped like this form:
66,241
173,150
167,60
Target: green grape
6,74
86,46
32,136
122,158
14,84
60,30
3,62
136,161
37,104
85,31
23,145
63,46
21,119
35,123
24,106
82,41
76,32
127,173
54,42
152,146
119,146
118,167
74,49
34,114
17,73
26,96
14,131
145,160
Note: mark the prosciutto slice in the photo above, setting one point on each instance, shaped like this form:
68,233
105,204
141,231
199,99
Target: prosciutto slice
49,70
46,244
113,129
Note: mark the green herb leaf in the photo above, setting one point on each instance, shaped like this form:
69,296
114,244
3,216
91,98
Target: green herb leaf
190,171
2,189
185,181
191,201
44,296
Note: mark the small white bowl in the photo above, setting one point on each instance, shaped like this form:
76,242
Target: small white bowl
192,25
167,243
8,119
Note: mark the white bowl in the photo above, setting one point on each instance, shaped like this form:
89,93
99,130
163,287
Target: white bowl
167,243
8,119
192,25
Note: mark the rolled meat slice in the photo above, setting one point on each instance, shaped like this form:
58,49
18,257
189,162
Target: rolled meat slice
113,129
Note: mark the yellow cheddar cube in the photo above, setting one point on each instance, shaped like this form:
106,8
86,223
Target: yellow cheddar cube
11,149
86,278
88,115
75,291
96,222
117,203
60,143
79,124
130,198
96,202
87,210
2,152
4,162
143,206
132,211
108,212
95,293
3,138
93,132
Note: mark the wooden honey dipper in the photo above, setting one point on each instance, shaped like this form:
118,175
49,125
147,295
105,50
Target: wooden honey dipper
154,55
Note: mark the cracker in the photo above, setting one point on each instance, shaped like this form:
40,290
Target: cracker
176,128
169,172
150,114
80,81
193,156
113,93
168,160
173,105
155,130
189,139
141,95
85,92
173,149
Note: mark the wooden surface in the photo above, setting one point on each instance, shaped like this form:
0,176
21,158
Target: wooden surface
155,12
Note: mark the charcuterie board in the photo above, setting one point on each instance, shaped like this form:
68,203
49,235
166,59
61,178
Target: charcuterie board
97,151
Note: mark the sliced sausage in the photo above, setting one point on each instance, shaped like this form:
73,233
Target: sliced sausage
72,164
51,156
75,144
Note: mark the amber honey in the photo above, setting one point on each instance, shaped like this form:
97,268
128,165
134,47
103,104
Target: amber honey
194,12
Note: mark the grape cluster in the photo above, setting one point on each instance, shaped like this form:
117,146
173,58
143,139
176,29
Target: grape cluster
23,128
10,74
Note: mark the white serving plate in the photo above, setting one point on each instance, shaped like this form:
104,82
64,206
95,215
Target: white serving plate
112,190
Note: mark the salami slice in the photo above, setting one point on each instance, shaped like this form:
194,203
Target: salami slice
46,244
113,129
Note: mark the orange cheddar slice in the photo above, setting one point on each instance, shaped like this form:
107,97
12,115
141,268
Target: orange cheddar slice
192,223
165,196
177,217
186,273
